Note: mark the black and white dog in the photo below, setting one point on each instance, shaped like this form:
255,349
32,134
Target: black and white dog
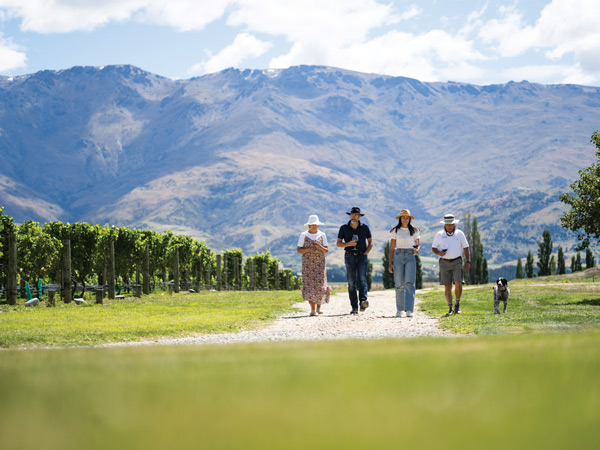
501,293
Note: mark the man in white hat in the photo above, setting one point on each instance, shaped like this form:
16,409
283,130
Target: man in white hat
449,244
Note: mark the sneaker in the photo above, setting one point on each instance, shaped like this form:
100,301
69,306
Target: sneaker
398,313
457,308
408,313
364,305
354,311
448,314
313,313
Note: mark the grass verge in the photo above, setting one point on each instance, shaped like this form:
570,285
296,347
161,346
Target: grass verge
130,319
545,307
518,392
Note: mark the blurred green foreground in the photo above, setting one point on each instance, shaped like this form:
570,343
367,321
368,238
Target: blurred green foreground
526,391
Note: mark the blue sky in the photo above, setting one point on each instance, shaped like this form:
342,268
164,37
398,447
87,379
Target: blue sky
474,41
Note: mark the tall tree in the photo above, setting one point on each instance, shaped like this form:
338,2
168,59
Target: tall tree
589,259
519,274
476,275
585,202
578,265
552,265
544,252
388,278
560,262
573,264
485,276
529,265
419,280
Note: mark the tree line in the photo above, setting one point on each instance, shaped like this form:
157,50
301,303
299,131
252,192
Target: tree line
548,264
40,253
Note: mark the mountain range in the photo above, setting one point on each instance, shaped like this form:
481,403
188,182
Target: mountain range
241,158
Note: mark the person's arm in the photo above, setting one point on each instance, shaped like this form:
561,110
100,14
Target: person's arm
340,243
322,248
434,247
467,258
391,256
418,246
369,247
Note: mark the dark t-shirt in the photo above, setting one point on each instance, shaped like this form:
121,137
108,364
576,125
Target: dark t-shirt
362,232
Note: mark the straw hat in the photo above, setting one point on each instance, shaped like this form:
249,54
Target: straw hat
406,213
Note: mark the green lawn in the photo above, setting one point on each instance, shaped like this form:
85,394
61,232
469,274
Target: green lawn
495,392
545,307
152,316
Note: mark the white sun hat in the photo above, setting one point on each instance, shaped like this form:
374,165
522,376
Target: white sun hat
313,220
449,220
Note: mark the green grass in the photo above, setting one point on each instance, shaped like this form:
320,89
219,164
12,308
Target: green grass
131,319
517,392
546,306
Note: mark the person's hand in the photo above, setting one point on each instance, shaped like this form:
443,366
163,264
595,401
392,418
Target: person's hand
352,244
441,252
390,269
468,266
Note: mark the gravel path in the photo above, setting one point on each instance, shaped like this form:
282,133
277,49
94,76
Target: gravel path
378,321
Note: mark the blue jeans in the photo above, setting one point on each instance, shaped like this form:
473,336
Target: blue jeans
356,271
405,271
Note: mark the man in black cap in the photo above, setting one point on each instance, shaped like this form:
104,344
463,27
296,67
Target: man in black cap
355,238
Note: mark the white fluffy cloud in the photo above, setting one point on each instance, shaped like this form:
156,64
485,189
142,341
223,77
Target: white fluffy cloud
564,27
63,16
245,46
11,56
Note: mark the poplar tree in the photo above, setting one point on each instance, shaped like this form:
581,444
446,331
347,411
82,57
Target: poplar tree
478,273
578,262
560,263
419,280
388,278
544,251
552,265
589,259
529,265
519,274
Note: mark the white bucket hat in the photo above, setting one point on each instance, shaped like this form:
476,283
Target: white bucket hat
449,220
313,220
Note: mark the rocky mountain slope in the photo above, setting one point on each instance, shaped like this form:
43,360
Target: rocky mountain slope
241,158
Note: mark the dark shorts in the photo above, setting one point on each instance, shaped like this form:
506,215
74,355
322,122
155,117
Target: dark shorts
451,271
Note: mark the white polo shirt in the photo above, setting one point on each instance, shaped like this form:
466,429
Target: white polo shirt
453,243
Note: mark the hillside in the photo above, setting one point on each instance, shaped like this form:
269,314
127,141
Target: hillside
241,158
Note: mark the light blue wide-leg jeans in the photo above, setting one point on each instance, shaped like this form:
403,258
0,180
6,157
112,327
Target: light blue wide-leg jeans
405,272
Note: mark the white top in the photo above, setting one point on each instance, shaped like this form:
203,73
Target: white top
314,237
404,239
454,243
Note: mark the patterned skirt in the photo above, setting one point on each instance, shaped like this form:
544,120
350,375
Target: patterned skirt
314,275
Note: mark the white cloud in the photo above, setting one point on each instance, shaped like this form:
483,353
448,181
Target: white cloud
549,74
11,56
245,46
63,16
333,23
564,27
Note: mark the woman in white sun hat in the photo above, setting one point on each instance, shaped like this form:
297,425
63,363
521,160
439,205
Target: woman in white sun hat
312,245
